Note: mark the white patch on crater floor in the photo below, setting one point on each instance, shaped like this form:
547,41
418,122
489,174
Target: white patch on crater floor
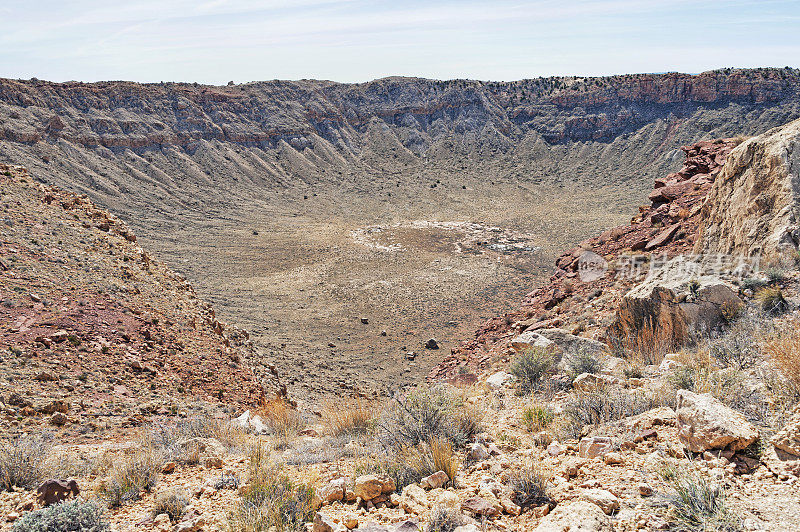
455,237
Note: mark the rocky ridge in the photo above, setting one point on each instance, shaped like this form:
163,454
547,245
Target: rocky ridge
666,228
92,322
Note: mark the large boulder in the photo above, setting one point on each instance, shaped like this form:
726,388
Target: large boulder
704,423
753,208
369,487
788,438
575,516
53,491
675,300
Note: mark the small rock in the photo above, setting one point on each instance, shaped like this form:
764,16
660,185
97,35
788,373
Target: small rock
213,462
555,449
645,490
168,468
499,379
323,523
432,344
479,506
575,516
477,452
58,419
607,501
594,446
613,459
436,480
368,487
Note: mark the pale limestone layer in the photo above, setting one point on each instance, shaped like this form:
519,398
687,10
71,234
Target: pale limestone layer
754,207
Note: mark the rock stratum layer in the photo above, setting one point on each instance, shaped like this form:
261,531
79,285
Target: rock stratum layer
132,146
754,207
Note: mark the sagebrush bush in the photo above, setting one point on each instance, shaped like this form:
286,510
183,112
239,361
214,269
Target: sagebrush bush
411,464
698,506
134,474
444,520
172,503
537,417
22,462
167,438
531,367
595,408
775,274
582,361
70,516
348,417
428,414
270,501
771,300
738,346
529,487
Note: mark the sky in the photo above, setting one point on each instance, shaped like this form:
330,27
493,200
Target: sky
216,41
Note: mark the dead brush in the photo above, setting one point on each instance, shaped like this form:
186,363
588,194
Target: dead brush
783,348
22,462
348,417
135,473
283,421
433,456
172,503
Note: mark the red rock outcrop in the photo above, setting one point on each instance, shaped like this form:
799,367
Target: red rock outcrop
668,227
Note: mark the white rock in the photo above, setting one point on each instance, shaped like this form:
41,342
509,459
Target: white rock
499,379
607,501
705,423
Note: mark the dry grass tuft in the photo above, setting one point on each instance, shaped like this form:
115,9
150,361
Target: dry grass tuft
22,462
283,420
537,417
136,473
784,350
348,417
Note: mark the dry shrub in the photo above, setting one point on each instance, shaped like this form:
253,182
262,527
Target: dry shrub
437,455
771,300
22,462
170,439
348,417
427,414
531,367
784,350
172,503
645,341
698,505
270,501
444,520
282,419
529,487
68,516
412,463
135,473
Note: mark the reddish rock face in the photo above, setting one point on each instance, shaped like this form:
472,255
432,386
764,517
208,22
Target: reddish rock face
668,226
